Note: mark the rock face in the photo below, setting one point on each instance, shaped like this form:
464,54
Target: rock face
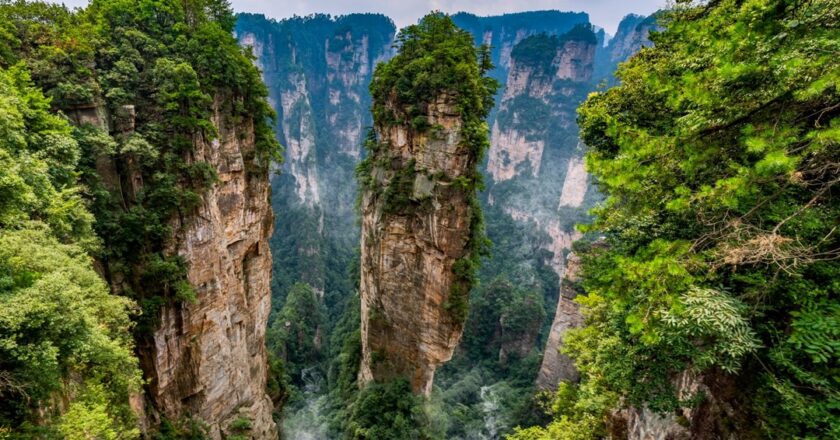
535,161
716,417
503,32
317,70
557,367
516,139
408,255
207,359
537,169
632,34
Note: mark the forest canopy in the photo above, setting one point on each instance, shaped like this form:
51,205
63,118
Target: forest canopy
719,153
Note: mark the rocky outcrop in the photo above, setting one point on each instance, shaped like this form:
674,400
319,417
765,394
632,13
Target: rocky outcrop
632,34
535,161
716,416
557,367
513,150
207,359
503,32
409,252
575,184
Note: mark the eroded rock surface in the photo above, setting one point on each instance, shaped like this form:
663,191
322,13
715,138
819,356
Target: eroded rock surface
207,359
408,255
557,367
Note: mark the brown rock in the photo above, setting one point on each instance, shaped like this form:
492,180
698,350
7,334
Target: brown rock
408,256
208,359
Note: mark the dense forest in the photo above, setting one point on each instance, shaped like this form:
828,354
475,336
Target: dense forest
102,112
565,234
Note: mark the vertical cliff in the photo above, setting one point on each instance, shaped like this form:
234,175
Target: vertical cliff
535,161
207,358
631,35
175,145
503,32
575,197
317,69
409,252
421,227
557,367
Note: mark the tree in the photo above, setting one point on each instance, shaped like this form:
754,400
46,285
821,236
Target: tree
62,334
719,156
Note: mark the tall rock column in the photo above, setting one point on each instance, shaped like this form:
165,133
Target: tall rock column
208,358
421,223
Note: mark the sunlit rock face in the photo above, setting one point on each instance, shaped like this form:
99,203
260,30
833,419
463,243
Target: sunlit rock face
557,367
207,359
408,255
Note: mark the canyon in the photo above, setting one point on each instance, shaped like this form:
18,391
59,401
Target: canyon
317,69
479,227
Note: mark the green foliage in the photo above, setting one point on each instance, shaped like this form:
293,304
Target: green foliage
62,335
172,61
435,57
38,157
58,317
177,65
577,412
398,195
183,429
387,411
537,51
718,153
295,331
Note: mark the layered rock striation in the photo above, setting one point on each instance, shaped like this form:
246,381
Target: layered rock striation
409,252
422,231
208,358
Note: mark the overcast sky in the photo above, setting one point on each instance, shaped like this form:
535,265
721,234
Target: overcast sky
604,13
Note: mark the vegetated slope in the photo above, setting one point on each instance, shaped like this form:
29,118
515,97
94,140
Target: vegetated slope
712,311
172,144
63,337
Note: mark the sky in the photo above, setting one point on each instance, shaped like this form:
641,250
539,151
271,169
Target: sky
603,13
